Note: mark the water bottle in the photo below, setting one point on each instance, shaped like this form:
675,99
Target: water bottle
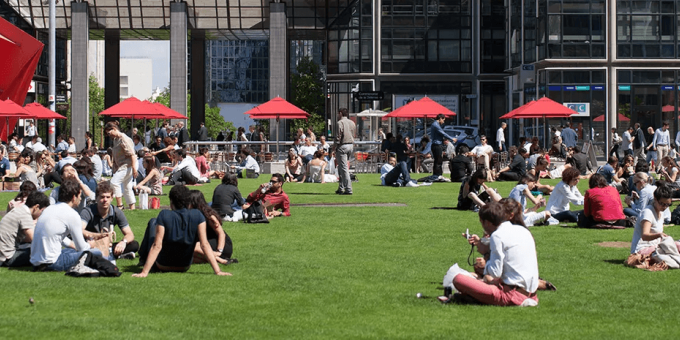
266,187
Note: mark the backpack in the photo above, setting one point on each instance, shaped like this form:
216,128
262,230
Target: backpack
255,214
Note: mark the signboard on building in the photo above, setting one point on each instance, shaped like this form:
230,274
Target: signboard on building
446,100
582,109
369,95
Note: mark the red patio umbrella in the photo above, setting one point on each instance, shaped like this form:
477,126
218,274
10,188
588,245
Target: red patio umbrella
543,108
668,108
621,118
422,108
38,111
11,110
18,60
277,108
512,113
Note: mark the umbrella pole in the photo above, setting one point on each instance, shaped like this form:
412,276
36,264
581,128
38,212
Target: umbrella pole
278,150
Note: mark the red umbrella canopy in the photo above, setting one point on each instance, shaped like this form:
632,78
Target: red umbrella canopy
543,108
131,107
277,107
512,113
423,108
621,118
167,112
38,111
8,108
668,108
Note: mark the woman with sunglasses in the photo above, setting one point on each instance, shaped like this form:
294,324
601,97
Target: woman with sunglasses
648,232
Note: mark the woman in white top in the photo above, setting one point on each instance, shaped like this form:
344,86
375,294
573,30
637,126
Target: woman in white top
648,232
24,170
316,170
565,192
521,192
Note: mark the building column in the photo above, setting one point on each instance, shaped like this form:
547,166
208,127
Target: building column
278,61
178,57
197,81
80,102
111,73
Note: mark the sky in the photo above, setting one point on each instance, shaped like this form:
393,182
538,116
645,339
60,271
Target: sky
156,50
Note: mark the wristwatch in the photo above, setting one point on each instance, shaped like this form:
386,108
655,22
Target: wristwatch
220,250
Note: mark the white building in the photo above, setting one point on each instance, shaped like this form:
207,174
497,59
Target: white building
136,75
95,60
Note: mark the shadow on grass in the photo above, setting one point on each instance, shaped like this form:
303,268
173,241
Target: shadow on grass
616,261
444,208
310,193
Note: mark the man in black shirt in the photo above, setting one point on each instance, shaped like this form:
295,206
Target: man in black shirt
516,169
226,197
580,161
460,165
399,149
639,143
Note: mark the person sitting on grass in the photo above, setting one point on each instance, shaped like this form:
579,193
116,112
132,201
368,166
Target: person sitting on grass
102,217
579,160
396,174
520,193
294,168
25,190
609,172
219,241
227,200
601,205
541,165
272,198
669,172
247,163
16,231
316,169
185,172
648,231
461,164
60,226
511,273
170,239
565,192
516,169
641,196
469,197
68,171
152,184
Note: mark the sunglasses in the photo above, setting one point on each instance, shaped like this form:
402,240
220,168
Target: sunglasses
663,205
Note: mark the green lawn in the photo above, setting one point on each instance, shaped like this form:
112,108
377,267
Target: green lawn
349,272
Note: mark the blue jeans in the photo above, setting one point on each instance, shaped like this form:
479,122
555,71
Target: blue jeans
68,258
630,212
652,155
400,170
566,216
502,148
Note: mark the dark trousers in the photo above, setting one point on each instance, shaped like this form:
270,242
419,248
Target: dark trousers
21,258
503,148
566,216
509,176
131,247
184,175
399,170
588,222
147,241
615,151
52,177
438,155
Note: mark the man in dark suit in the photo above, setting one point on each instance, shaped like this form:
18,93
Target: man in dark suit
203,132
580,161
182,135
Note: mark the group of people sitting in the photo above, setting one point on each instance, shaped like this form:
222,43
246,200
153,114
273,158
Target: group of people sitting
311,163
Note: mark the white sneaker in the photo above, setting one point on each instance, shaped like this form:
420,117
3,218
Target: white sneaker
443,179
425,184
529,303
411,184
553,221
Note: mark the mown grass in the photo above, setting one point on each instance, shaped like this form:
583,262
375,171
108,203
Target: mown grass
349,272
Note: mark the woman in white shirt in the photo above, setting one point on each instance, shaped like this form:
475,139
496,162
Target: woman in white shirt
520,193
248,162
565,192
648,232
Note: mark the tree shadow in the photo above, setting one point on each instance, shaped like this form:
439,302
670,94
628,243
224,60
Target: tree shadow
444,208
616,261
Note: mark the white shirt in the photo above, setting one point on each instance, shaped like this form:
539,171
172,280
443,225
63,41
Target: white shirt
527,146
500,136
513,257
138,146
189,163
97,166
384,170
30,130
307,150
561,196
661,138
482,149
71,148
38,147
616,139
18,147
249,163
625,145
56,223
657,227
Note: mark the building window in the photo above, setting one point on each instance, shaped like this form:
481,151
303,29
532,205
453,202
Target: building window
646,29
350,40
123,80
492,37
237,71
576,29
124,91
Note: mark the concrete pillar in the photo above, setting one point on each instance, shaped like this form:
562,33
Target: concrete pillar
80,102
111,73
278,61
197,81
178,57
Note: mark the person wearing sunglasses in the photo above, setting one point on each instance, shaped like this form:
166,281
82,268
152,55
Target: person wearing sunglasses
648,232
272,197
641,195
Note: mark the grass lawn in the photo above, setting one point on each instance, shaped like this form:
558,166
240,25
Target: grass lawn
350,272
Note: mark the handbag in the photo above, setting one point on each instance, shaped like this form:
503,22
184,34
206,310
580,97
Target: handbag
144,200
154,203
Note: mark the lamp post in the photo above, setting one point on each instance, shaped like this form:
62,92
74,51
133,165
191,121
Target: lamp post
52,72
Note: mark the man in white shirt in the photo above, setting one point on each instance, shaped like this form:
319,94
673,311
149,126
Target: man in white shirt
500,138
482,152
627,143
138,142
60,225
661,141
31,130
247,163
396,174
36,144
307,151
511,273
616,142
185,172
14,144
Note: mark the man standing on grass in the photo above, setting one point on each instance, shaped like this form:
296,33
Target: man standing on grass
438,135
511,273
662,141
16,231
102,217
343,147
60,226
569,136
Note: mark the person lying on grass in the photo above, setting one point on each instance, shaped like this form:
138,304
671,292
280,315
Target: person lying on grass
16,230
219,241
272,197
396,174
521,192
511,273
170,239
648,231
565,192
469,196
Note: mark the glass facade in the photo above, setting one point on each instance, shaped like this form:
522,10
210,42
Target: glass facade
350,40
426,37
237,71
647,29
305,48
492,37
576,29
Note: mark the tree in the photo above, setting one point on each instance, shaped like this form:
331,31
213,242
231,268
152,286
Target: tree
307,94
96,98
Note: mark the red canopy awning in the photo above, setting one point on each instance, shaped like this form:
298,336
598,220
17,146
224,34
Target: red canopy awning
18,60
128,108
668,108
277,108
621,118
38,111
512,113
10,110
543,108
422,108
